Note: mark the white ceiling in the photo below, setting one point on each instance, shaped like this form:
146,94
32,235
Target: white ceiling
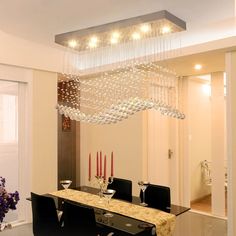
40,20
210,61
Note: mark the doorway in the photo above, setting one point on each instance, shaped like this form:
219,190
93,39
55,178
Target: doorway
206,143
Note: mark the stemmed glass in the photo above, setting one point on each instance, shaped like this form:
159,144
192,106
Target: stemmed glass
108,194
143,185
66,183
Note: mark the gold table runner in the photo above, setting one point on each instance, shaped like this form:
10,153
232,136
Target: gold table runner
163,221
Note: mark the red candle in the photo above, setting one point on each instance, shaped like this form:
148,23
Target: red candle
89,166
100,174
97,165
112,165
105,167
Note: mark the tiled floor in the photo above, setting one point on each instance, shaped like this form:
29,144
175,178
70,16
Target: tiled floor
204,204
188,224
23,230
195,224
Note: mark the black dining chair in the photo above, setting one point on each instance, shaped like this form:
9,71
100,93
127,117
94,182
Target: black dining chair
123,189
158,197
45,219
78,220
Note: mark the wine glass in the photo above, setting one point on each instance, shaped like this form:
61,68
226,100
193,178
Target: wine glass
143,185
108,194
66,183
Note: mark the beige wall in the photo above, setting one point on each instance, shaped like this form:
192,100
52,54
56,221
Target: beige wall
231,140
158,145
199,120
162,137
218,143
78,153
44,132
125,139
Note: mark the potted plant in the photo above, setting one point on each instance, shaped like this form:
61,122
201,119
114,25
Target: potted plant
8,201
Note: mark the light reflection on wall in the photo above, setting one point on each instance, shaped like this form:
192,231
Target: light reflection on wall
206,89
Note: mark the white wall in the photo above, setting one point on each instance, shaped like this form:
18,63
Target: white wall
125,139
199,120
25,53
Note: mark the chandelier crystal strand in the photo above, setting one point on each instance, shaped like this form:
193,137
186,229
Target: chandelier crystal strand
136,105
108,84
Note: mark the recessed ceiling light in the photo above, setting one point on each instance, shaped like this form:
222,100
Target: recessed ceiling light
114,40
72,43
145,28
136,36
93,42
166,29
198,67
115,35
94,39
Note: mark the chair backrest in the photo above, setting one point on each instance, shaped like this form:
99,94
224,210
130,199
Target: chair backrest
123,189
45,220
158,197
78,220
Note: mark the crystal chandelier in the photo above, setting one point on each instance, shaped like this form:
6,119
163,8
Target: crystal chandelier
115,70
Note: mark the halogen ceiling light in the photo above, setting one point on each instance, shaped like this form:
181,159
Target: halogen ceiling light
114,70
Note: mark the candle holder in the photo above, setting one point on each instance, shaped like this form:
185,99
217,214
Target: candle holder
103,183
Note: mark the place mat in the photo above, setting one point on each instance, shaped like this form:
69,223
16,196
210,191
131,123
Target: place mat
164,222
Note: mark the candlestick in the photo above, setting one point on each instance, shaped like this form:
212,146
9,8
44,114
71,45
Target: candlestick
103,184
89,166
112,165
105,167
97,165
100,174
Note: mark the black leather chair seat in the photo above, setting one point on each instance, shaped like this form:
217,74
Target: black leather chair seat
123,189
78,220
45,219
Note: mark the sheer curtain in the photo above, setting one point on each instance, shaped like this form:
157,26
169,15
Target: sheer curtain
9,158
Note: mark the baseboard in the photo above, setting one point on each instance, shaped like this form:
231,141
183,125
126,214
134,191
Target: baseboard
18,223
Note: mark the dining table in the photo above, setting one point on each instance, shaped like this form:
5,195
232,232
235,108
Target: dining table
129,218
174,209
